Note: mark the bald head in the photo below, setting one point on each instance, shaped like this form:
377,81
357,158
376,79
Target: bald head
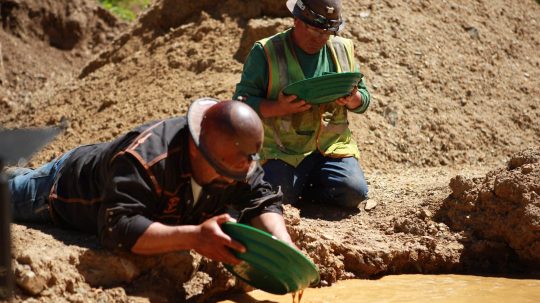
229,134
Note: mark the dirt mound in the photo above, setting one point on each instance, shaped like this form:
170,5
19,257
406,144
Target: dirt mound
452,83
43,41
164,17
500,211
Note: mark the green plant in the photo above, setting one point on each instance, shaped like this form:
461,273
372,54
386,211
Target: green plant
125,9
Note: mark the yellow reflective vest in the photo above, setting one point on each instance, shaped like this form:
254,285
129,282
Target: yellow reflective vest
324,127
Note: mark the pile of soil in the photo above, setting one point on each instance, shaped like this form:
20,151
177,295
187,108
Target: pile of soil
45,42
455,90
499,214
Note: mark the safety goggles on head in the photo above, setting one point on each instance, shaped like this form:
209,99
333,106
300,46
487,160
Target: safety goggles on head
319,32
229,172
307,15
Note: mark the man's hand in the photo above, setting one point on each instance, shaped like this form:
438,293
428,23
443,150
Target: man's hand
284,105
213,243
207,238
352,101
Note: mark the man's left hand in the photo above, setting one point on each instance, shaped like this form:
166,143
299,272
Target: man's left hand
352,101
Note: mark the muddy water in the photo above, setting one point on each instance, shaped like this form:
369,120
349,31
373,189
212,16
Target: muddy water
411,288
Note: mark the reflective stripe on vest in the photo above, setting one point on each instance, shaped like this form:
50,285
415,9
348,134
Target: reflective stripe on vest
345,61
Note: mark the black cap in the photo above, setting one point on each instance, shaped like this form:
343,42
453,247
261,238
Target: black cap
323,14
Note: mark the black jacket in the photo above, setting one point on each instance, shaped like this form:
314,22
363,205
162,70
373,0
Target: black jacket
117,189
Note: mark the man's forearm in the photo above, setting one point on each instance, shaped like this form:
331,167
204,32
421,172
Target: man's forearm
159,238
269,108
274,224
284,105
207,238
266,108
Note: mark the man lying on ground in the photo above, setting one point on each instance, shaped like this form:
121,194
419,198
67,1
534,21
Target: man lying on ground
162,187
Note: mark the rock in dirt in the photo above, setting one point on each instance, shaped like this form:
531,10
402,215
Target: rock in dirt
29,281
370,204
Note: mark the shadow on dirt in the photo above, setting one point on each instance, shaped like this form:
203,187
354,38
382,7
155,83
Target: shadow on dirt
68,237
162,275
489,257
325,212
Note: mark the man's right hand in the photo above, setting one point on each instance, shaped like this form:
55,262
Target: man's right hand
207,238
284,105
213,243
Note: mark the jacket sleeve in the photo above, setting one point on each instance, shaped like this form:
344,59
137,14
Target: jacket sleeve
128,199
366,96
256,197
254,82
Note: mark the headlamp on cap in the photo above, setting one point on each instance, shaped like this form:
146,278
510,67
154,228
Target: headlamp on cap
305,13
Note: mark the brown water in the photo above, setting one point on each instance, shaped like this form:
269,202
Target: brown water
297,296
411,288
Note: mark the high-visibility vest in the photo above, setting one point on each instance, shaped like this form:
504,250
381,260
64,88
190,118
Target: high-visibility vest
324,127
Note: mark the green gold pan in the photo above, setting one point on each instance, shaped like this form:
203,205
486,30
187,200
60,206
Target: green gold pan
270,264
325,88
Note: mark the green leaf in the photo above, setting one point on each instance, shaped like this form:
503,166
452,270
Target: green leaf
125,9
